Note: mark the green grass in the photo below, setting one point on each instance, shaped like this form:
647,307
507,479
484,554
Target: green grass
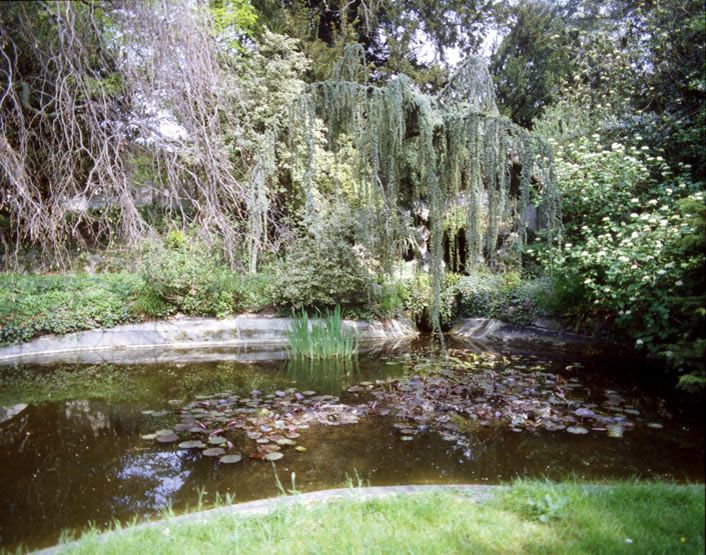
322,338
531,517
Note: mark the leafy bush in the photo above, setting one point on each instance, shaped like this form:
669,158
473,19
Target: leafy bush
503,296
634,250
33,305
417,299
321,273
183,274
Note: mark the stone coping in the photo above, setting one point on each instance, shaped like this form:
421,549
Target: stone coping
243,331
495,331
476,492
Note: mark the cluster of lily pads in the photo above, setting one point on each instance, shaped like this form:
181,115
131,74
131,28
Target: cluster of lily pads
458,396
263,424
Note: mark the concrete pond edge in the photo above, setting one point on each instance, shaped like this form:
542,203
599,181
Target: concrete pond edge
476,492
244,331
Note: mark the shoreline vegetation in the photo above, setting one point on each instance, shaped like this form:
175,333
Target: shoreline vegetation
529,516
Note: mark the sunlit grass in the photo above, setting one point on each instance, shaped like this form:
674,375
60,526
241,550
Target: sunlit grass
324,337
529,517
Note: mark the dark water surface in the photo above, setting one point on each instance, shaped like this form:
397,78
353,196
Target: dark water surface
74,454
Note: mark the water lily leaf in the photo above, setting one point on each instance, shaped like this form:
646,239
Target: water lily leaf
655,425
165,432
585,413
194,444
159,413
149,436
273,456
576,430
300,448
406,438
230,459
217,440
262,440
213,452
167,438
147,412
183,427
293,435
285,441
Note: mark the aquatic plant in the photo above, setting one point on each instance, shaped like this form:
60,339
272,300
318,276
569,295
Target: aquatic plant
324,337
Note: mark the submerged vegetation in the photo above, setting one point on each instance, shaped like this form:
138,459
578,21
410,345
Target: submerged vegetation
323,337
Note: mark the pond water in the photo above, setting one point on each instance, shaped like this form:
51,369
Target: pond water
72,449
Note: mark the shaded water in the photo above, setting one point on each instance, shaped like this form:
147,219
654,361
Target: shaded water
74,453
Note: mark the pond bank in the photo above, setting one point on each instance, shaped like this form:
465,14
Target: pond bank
179,333
476,492
526,517
541,334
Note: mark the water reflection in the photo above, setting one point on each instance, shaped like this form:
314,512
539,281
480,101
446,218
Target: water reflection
326,376
65,463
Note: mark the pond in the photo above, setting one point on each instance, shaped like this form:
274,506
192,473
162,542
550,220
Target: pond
94,443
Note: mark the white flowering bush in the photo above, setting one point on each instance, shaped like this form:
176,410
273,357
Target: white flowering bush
633,249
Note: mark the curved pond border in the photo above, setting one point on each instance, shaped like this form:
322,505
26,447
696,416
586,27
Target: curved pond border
477,492
180,333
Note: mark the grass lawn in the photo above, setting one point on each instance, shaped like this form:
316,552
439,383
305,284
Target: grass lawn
530,517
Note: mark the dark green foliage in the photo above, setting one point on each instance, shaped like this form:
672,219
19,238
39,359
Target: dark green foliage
322,273
37,305
504,297
184,274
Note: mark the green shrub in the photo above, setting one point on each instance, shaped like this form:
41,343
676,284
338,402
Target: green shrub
417,299
183,274
33,305
503,296
257,290
321,273
633,252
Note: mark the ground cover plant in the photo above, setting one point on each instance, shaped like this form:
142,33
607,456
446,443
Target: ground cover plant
528,517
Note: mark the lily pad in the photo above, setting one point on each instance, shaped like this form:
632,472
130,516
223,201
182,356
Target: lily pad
217,440
300,448
655,425
273,456
194,444
213,452
149,436
230,459
164,432
285,441
576,430
168,438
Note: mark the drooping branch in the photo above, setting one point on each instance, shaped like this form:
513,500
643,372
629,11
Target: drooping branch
454,150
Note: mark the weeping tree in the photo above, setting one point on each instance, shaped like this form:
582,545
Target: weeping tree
448,153
105,103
